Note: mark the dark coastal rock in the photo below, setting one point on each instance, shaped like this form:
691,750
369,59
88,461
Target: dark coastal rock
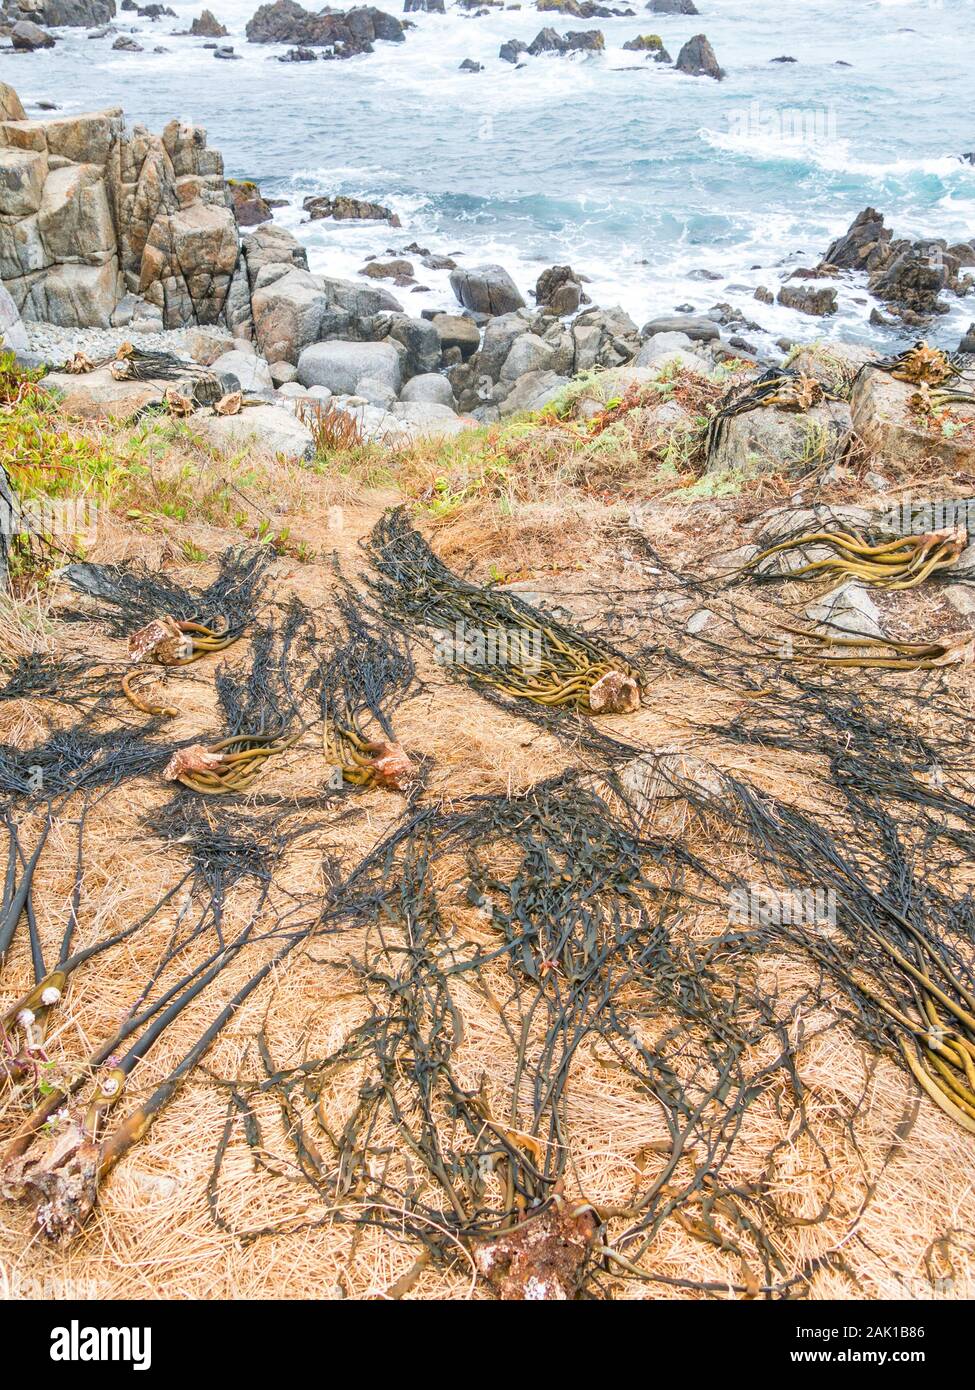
864,246
913,281
126,44
672,7
299,55
70,13
784,59
418,342
548,41
250,207
967,343
27,37
908,276
580,9
207,26
559,290
430,6
345,209
646,43
469,65
345,34
697,59
226,51
486,289
808,301
389,270
511,51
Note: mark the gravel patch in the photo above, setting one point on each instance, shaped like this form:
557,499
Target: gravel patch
56,344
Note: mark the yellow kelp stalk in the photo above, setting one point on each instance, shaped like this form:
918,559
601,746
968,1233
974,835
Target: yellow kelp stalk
880,652
231,765
168,642
897,564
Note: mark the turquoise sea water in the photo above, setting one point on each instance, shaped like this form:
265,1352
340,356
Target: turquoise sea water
636,175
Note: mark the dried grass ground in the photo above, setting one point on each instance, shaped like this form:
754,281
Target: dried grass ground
900,1195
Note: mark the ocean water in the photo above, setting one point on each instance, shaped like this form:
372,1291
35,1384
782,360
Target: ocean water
634,174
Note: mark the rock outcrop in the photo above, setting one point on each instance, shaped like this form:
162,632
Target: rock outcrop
697,58
91,211
577,41
345,209
343,34
68,14
208,26
909,277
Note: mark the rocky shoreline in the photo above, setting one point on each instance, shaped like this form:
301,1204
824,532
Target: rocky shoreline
110,234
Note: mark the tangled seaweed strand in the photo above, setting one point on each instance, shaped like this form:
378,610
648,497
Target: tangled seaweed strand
368,667
890,564
577,942
778,386
527,655
131,595
59,1155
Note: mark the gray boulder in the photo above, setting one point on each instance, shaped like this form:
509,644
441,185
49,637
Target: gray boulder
272,245
603,338
371,370
528,354
701,330
418,338
13,335
27,36
274,429
427,419
430,389
769,440
808,299
293,308
457,331
499,335
486,289
250,370
533,392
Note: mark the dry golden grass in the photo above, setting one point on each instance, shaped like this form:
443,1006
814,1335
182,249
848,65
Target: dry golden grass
900,1201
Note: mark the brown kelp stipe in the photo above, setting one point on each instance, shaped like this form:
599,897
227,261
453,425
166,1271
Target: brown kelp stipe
496,639
895,564
230,765
173,643
876,653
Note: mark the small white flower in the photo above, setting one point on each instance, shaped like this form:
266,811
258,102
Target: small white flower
25,1018
110,1086
51,995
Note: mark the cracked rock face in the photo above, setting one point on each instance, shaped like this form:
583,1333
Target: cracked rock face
92,212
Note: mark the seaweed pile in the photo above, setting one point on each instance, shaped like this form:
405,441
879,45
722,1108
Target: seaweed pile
498,973
521,652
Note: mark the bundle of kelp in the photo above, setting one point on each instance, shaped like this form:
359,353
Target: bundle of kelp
496,639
